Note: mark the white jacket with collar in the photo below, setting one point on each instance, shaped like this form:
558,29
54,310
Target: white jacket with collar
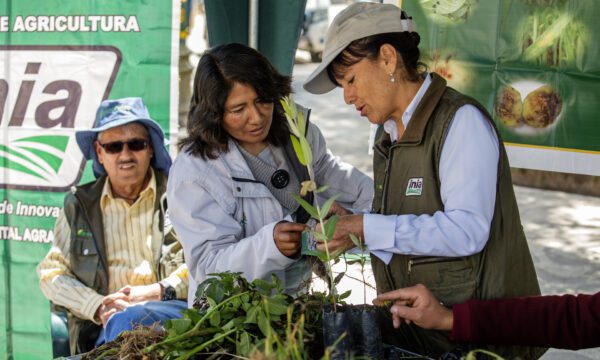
227,225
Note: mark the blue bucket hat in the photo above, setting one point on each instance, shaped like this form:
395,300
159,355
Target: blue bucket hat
119,112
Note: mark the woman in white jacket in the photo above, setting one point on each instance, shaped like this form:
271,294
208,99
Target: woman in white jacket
230,187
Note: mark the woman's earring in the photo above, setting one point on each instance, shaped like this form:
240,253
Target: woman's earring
392,78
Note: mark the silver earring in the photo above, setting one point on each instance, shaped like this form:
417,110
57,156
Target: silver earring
392,78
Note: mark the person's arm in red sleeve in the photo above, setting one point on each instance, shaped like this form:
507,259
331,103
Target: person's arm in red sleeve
566,322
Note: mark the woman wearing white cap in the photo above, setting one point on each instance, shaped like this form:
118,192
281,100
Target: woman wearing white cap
444,212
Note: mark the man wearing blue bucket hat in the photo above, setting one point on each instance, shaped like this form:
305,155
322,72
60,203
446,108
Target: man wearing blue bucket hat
115,261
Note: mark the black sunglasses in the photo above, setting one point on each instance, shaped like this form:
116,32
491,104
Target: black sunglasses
116,147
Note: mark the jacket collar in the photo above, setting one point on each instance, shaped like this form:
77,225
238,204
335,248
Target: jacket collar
234,161
90,194
415,131
416,127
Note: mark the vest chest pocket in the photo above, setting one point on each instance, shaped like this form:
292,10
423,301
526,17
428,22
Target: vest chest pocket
84,257
451,280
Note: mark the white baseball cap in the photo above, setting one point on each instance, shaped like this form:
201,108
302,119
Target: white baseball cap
357,21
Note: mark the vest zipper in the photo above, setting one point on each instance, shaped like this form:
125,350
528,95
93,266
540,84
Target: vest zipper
422,260
387,272
386,175
386,179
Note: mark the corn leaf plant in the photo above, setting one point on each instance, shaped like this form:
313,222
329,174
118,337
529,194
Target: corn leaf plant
552,37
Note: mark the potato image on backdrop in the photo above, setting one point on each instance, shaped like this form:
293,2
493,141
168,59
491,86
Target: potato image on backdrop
528,107
509,107
541,107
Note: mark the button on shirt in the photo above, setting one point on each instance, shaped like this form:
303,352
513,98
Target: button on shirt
468,174
130,252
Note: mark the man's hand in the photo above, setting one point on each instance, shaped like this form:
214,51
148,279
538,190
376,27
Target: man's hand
288,236
112,306
136,294
130,295
418,305
341,240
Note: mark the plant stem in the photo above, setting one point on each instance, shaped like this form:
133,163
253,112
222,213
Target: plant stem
112,351
269,335
203,345
311,175
329,266
193,331
362,272
357,279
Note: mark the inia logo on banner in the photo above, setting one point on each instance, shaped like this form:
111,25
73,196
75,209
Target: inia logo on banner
46,94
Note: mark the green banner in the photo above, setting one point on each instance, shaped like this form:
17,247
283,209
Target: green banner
58,61
535,64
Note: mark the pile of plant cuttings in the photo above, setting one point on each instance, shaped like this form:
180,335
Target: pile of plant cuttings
129,345
231,318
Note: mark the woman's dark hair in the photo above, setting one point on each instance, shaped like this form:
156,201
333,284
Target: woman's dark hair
406,44
218,70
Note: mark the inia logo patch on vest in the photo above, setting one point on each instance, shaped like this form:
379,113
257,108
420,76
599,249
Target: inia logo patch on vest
415,187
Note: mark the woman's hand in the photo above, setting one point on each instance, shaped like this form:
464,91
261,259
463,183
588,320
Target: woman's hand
288,236
350,224
418,305
337,209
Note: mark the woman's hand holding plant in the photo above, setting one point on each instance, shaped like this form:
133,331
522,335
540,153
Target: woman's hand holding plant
288,237
341,241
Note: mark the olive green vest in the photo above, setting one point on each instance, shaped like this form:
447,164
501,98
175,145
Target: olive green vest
88,250
406,176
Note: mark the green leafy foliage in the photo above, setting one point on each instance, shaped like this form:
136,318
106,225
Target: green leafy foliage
298,150
321,189
234,316
308,207
297,125
330,226
327,205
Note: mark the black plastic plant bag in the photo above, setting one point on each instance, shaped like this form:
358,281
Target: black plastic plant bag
366,334
335,324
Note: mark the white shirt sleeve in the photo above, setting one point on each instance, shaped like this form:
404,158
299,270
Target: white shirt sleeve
468,176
